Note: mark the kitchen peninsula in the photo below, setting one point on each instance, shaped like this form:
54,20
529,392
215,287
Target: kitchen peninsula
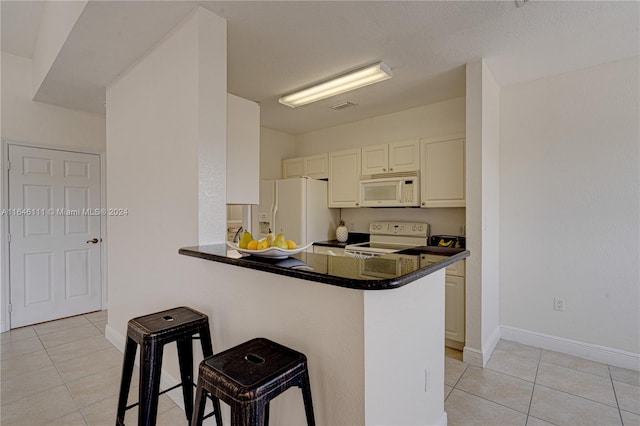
374,345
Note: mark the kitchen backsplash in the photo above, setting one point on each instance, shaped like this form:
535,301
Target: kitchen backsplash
442,220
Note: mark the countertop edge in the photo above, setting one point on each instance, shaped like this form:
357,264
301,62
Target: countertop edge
356,284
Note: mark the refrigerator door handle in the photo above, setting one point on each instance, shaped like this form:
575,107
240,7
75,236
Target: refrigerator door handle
274,207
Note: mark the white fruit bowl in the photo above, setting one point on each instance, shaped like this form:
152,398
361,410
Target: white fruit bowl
271,252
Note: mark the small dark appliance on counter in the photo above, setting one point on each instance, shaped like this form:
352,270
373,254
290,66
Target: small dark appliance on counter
453,241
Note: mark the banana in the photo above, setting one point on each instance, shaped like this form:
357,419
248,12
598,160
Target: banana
443,243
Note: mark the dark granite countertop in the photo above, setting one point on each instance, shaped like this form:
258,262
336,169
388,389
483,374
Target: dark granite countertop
335,270
354,238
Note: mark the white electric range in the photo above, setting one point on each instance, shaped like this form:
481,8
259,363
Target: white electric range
390,237
380,254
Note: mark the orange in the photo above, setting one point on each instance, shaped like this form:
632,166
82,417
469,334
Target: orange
253,245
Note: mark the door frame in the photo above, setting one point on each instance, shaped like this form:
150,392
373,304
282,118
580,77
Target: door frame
5,287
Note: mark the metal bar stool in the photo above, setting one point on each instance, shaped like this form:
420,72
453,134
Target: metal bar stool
152,332
250,375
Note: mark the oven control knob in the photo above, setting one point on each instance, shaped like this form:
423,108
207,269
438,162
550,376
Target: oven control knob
420,228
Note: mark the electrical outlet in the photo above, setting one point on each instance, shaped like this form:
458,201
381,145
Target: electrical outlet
352,227
558,304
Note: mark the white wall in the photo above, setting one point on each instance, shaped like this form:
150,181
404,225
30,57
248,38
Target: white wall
162,142
569,205
28,121
274,146
438,119
56,23
23,120
482,180
442,220
441,118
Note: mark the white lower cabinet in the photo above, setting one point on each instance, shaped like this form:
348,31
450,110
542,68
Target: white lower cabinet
454,300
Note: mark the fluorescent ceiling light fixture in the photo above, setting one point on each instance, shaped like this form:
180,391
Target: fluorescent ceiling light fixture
340,84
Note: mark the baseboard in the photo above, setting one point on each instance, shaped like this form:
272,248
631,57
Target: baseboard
166,379
480,358
453,344
443,420
584,350
472,356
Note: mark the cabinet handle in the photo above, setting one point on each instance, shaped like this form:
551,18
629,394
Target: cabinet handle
390,169
357,204
423,203
384,170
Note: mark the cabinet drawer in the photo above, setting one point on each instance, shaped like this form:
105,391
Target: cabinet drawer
456,269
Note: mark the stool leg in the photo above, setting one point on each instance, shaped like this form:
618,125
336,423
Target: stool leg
185,359
306,396
198,406
150,369
248,414
207,351
125,383
205,341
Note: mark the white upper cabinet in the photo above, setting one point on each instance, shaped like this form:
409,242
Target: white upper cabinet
442,180
403,156
243,151
292,168
317,166
375,159
314,166
344,178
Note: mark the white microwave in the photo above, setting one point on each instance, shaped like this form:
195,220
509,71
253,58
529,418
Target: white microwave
397,191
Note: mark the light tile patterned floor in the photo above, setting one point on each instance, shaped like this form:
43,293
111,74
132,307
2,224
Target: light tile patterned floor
66,373
524,385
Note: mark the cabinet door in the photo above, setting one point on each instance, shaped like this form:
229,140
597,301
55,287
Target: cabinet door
243,151
454,308
404,156
292,167
375,159
317,166
442,173
456,269
344,178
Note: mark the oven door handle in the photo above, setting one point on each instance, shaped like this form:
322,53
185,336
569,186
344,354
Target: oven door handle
360,255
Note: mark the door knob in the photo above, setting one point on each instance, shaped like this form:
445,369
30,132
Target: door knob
95,241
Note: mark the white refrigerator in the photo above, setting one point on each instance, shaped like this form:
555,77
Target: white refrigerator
296,207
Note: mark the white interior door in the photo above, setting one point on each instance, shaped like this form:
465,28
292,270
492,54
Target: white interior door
55,241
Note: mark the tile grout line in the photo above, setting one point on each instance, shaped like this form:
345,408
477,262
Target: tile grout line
66,383
615,395
535,380
493,402
47,390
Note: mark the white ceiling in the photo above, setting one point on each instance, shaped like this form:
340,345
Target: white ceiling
276,47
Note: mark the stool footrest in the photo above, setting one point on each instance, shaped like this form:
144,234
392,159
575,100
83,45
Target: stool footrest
128,407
